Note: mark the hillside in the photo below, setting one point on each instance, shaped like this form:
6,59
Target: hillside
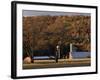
39,31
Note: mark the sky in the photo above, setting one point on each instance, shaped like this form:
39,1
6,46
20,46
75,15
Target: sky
50,13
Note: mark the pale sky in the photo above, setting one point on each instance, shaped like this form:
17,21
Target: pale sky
50,13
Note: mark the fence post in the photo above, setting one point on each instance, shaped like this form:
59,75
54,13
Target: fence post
56,57
70,53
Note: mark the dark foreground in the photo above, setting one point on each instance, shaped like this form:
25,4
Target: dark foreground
61,63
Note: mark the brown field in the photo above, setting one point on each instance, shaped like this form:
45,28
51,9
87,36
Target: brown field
61,63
